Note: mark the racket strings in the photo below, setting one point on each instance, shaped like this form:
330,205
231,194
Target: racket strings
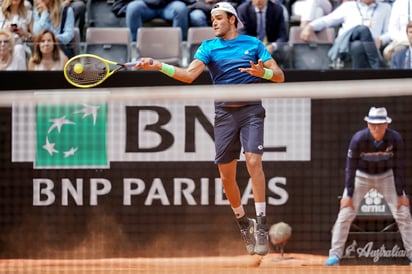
93,71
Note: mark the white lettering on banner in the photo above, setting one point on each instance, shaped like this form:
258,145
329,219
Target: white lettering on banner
186,187
373,208
129,189
373,202
46,190
95,191
76,192
382,252
184,191
158,131
281,192
44,187
157,192
367,251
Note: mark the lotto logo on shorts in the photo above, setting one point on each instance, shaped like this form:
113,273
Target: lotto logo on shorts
71,136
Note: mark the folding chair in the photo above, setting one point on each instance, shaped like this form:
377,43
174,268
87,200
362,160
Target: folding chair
311,55
195,36
109,43
161,43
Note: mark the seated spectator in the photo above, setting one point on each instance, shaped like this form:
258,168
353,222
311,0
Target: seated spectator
79,10
363,32
17,18
46,53
9,60
402,59
400,16
199,12
309,10
271,30
144,10
54,16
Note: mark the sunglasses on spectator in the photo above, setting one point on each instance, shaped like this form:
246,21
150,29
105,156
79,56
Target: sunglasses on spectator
5,42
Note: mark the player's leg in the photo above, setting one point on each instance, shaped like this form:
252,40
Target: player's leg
227,173
255,169
246,225
252,121
227,145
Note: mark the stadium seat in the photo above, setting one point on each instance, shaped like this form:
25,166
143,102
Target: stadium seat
314,54
110,43
161,43
195,37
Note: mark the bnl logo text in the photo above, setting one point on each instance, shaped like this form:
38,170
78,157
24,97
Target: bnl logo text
193,116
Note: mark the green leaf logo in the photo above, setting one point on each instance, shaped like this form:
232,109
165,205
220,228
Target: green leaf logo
71,136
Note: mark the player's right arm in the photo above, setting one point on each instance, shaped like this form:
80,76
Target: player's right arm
186,75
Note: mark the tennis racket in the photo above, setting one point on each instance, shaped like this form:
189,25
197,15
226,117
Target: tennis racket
89,70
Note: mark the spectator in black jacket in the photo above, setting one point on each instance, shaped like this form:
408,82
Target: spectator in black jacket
273,32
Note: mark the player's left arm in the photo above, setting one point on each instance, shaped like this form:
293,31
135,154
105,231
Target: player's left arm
268,70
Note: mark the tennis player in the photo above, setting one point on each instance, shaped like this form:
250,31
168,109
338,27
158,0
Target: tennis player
234,58
376,160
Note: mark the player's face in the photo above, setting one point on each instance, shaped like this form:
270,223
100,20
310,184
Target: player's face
377,130
221,22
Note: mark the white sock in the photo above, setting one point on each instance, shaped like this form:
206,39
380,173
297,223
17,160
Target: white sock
239,212
260,209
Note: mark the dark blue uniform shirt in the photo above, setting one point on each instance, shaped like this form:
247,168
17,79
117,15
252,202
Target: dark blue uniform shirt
366,155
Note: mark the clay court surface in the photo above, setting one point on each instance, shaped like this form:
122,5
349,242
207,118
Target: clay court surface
272,263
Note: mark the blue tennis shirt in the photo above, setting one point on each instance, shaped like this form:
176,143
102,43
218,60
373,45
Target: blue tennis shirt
223,58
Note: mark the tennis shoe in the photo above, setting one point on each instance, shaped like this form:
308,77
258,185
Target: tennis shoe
262,238
332,260
262,242
248,235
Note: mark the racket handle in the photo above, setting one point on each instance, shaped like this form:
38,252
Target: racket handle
133,64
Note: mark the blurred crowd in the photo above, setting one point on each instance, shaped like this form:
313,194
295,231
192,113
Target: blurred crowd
370,34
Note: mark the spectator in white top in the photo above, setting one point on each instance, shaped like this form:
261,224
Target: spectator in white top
401,15
18,19
363,32
9,60
309,10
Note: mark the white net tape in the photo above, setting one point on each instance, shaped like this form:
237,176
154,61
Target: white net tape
314,90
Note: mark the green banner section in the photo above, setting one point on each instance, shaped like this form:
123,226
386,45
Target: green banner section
71,136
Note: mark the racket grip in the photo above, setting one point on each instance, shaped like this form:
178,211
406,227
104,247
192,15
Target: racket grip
133,64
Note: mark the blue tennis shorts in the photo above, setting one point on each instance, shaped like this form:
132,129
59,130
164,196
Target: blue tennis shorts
237,128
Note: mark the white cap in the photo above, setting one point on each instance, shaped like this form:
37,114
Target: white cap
227,7
378,116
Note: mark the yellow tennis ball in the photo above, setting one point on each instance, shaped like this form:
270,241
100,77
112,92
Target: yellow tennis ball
78,68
